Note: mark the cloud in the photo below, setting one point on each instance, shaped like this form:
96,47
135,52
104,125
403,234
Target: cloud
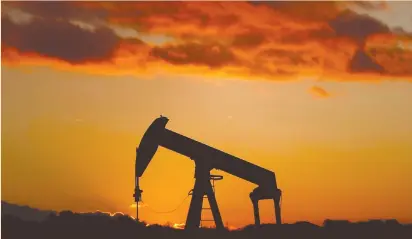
289,57
362,62
385,57
58,10
357,27
319,92
211,55
298,10
249,39
61,40
269,40
369,5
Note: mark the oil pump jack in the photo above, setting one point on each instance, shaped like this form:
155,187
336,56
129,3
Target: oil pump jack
205,158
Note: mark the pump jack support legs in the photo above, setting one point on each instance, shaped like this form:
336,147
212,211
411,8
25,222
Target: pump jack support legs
202,187
195,209
256,212
276,201
256,196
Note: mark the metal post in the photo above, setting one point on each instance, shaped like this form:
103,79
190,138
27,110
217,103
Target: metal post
276,201
256,212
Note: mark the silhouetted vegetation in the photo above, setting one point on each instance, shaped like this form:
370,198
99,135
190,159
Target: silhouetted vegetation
66,224
24,212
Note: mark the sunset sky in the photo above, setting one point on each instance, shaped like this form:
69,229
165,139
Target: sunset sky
318,92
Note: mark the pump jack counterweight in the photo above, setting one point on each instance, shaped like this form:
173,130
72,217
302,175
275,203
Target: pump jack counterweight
205,158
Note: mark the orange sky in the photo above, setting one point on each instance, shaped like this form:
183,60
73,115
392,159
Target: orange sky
81,82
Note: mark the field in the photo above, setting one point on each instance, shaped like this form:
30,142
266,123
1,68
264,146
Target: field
67,225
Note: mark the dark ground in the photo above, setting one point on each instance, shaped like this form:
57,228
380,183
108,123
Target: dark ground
78,226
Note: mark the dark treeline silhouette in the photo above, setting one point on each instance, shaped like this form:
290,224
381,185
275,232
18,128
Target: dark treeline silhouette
66,224
24,212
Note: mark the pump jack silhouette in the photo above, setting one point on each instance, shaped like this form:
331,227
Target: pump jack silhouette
206,158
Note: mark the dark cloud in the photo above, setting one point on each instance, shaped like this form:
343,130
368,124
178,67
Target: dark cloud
145,16
357,27
148,15
211,55
363,63
224,20
59,39
303,10
59,10
249,39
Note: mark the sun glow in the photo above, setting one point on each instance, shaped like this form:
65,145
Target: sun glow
179,226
